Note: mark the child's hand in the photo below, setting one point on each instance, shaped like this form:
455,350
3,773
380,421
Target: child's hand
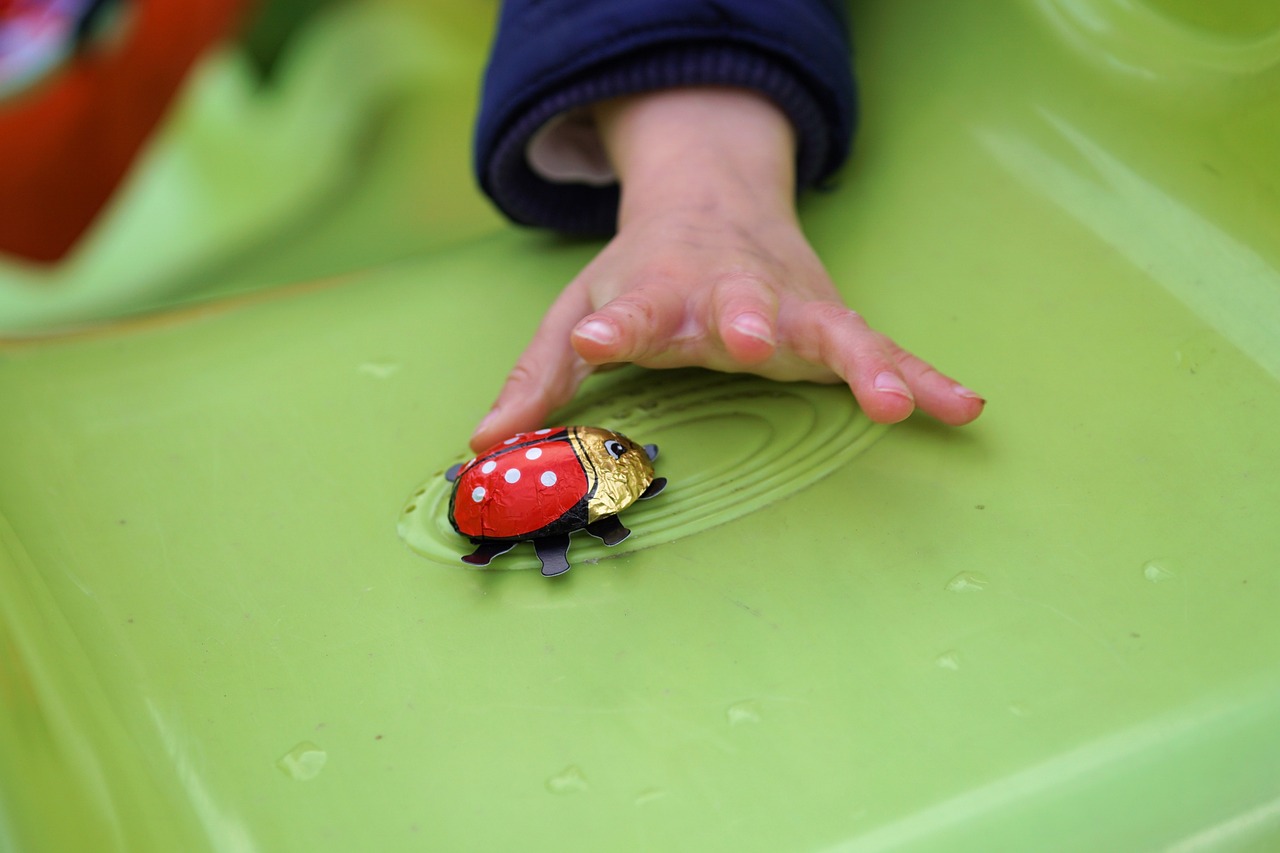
709,267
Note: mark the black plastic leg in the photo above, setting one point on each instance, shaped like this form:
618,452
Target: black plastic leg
656,487
486,551
553,551
609,530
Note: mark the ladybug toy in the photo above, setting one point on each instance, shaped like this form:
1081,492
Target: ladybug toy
542,486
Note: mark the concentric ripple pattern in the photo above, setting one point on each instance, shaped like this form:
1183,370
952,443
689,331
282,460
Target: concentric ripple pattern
730,445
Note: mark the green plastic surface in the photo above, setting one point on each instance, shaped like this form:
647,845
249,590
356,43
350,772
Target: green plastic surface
1054,629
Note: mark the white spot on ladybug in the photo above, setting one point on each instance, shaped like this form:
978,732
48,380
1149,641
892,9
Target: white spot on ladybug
513,439
487,468
548,478
512,475
477,494
541,432
533,453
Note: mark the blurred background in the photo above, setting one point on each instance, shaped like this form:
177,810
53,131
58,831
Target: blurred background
158,151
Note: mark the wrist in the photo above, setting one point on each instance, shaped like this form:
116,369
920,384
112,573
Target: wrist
701,150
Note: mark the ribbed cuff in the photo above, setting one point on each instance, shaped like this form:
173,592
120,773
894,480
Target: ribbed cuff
530,199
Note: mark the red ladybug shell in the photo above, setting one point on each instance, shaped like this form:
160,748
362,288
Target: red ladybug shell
528,484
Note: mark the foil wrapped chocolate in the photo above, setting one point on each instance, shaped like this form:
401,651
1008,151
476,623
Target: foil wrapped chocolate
544,485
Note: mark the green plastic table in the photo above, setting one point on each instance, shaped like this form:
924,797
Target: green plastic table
232,616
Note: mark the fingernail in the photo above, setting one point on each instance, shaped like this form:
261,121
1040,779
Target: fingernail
753,326
600,331
891,383
962,391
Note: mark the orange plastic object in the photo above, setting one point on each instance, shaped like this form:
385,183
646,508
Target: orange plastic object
65,145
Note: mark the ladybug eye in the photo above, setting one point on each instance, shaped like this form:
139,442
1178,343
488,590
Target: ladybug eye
615,449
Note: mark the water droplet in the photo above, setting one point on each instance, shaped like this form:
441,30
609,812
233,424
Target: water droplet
379,369
568,781
304,762
967,582
948,660
1193,354
743,713
648,796
1157,572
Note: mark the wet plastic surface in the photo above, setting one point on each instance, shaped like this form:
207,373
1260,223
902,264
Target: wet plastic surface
1053,629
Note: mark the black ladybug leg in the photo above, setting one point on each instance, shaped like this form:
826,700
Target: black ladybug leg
655,487
487,550
609,530
553,551
451,473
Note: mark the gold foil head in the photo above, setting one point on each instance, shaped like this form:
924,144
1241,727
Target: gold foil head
622,470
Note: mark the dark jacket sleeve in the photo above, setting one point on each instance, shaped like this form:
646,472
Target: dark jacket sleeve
551,56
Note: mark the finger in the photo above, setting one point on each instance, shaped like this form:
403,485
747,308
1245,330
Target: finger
546,375
744,311
937,394
831,334
630,328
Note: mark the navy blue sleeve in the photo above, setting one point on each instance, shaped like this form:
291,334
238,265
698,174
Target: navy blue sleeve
551,56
